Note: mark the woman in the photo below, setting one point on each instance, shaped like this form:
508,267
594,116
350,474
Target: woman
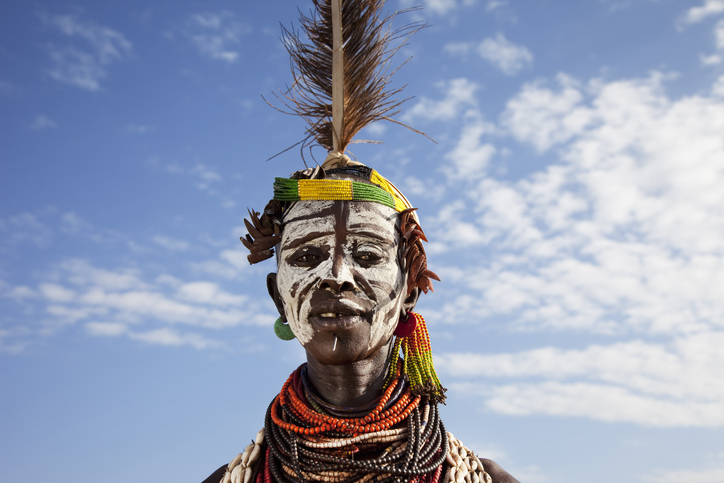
350,268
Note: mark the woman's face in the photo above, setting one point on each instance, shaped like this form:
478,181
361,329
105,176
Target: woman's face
339,277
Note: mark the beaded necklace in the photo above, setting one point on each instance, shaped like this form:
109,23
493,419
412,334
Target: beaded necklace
400,438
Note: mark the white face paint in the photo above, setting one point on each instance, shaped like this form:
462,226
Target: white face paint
338,275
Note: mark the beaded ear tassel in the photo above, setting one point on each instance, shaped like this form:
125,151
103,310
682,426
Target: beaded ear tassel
417,358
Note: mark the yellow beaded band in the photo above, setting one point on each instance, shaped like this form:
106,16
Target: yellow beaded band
340,190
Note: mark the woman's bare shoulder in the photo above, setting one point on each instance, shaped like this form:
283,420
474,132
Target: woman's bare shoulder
498,474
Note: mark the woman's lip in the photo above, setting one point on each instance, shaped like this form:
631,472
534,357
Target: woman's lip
339,322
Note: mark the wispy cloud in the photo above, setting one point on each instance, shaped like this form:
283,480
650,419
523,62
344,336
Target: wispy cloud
503,54
719,34
495,5
439,7
123,302
717,89
170,243
42,122
708,9
218,35
620,234
164,336
715,475
458,94
24,227
94,47
203,177
635,381
138,128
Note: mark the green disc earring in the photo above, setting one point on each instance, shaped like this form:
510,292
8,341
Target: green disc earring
282,330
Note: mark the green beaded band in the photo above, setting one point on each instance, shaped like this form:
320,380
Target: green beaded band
291,190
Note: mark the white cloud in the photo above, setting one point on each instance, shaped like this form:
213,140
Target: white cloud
713,59
544,117
170,337
20,293
106,329
699,475
494,5
170,243
203,175
471,156
718,87
71,223
164,336
505,55
42,122
601,402
24,227
208,293
236,258
56,293
84,64
439,7
81,292
459,94
719,34
683,380
81,273
622,233
707,9
218,35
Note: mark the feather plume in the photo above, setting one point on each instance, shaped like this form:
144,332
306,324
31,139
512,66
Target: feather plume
363,54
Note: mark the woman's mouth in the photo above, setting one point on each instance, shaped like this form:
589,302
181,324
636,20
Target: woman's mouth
335,321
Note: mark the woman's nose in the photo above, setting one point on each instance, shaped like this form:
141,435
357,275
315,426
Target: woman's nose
339,277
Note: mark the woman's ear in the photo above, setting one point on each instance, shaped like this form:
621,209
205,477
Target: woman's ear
411,300
271,286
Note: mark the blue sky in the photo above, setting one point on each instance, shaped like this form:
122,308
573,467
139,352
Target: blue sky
572,202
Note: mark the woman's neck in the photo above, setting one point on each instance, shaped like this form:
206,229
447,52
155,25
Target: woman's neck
351,385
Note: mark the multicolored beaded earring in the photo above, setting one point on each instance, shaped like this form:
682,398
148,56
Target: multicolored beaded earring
282,330
413,340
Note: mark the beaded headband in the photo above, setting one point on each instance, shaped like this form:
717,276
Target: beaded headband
382,191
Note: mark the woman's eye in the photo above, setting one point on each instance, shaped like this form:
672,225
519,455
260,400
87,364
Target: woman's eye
306,257
368,257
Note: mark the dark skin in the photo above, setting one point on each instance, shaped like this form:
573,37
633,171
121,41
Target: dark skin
346,378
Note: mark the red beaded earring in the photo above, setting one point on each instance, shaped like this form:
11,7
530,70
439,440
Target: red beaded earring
413,340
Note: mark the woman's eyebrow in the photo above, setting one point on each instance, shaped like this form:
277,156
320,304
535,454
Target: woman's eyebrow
295,242
372,231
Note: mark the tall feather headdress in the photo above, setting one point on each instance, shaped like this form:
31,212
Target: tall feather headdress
341,73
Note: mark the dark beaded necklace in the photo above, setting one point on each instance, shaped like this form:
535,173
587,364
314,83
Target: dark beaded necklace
309,439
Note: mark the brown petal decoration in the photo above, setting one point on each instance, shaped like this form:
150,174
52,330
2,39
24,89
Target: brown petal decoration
264,232
414,253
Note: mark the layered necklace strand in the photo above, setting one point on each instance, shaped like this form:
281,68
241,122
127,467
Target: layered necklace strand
400,438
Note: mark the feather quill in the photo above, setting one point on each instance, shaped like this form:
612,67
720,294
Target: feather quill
342,70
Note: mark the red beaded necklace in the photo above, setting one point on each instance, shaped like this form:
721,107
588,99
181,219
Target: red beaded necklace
376,420
391,441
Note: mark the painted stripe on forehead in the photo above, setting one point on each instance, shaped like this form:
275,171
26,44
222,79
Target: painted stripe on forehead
381,210
328,211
